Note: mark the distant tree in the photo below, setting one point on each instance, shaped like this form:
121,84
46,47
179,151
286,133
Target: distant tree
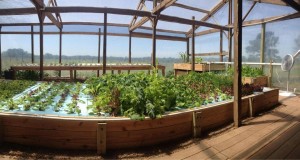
297,43
271,52
15,53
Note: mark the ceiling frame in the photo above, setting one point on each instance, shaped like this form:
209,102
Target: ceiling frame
156,11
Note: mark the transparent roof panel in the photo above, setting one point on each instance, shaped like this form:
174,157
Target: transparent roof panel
15,4
148,31
16,29
126,4
262,10
120,19
220,17
173,26
82,17
19,19
173,11
81,28
203,4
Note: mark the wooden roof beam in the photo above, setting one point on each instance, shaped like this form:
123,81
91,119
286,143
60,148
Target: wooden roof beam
211,13
39,4
134,18
190,22
254,22
164,4
270,19
293,4
190,8
276,2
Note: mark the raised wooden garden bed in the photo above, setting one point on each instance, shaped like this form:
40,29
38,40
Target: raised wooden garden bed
260,81
115,133
184,68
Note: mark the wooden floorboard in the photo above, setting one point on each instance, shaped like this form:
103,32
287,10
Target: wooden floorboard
284,150
266,151
275,135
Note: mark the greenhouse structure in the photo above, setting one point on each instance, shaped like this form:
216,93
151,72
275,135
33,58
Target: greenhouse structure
106,75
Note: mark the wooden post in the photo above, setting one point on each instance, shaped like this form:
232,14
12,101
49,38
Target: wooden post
99,48
270,74
41,50
229,31
197,124
193,45
32,45
101,138
154,42
188,50
251,112
104,43
237,85
129,52
0,53
60,49
262,44
1,129
154,3
221,45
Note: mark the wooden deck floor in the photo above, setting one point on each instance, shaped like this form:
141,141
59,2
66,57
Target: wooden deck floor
273,135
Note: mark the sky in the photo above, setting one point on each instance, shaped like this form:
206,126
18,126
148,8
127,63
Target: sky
141,47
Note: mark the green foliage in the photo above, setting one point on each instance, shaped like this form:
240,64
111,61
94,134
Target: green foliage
198,60
248,71
139,95
183,56
10,88
29,75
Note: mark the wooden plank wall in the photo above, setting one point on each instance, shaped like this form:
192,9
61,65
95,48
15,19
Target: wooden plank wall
128,134
80,133
265,101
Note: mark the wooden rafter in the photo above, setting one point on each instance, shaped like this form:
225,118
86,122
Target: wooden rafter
276,2
250,9
293,4
134,18
190,22
271,19
211,13
255,22
58,17
190,8
91,23
164,4
119,11
134,34
41,6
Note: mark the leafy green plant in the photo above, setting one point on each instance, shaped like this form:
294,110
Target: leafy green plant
248,71
9,88
183,56
198,60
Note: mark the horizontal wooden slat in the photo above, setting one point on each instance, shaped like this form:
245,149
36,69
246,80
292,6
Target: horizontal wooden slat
212,54
120,125
49,124
50,144
151,133
149,142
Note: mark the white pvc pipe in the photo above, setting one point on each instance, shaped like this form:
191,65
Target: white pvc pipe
296,54
253,63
